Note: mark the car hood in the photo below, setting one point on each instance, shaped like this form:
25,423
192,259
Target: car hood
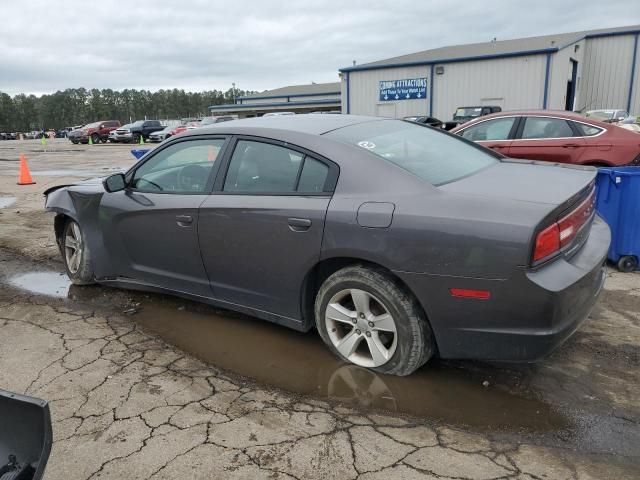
526,181
90,183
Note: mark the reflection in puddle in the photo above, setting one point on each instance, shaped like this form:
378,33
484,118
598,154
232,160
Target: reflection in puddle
7,201
52,284
301,363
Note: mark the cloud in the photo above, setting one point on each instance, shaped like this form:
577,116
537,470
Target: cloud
198,44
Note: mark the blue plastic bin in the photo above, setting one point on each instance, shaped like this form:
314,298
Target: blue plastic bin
138,153
618,203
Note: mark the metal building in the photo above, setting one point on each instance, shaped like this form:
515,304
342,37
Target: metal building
295,98
569,71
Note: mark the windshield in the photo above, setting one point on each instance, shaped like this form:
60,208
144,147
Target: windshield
468,112
93,125
139,123
434,156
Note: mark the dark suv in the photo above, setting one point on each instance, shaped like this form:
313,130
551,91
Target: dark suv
98,131
141,128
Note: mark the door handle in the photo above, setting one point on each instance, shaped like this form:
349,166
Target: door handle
498,146
570,145
299,224
184,220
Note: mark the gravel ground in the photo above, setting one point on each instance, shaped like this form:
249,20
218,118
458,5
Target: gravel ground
145,386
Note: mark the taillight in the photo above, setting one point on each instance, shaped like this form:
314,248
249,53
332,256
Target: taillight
562,232
547,242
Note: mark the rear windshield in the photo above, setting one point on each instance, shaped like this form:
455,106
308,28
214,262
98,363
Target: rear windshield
434,156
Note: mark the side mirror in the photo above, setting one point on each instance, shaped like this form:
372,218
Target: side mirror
114,183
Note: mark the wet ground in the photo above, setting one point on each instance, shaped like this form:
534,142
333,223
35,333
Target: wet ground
149,386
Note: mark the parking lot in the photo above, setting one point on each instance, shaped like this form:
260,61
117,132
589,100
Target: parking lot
147,386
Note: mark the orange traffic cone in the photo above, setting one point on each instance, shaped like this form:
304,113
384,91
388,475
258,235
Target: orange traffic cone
24,177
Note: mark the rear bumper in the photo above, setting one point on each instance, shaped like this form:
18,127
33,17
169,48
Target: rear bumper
527,316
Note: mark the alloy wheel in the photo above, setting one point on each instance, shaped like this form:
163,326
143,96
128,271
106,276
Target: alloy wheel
361,328
73,247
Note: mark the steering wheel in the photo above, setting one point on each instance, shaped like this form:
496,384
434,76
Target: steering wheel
192,178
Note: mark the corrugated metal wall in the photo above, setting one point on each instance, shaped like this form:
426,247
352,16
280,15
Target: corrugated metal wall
560,74
262,101
607,72
511,83
364,89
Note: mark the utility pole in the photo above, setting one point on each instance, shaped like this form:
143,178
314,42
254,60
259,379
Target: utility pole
233,92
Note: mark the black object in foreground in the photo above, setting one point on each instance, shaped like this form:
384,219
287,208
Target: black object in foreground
25,436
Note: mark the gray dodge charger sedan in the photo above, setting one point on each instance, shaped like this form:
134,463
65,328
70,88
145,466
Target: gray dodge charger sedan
395,241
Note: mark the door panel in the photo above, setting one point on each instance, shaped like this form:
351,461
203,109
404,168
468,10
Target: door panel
153,237
150,230
257,248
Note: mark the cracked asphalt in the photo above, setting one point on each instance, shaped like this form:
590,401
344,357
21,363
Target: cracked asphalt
144,386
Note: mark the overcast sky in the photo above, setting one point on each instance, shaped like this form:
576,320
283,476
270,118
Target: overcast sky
200,45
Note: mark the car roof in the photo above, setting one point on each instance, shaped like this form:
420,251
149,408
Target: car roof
303,123
534,113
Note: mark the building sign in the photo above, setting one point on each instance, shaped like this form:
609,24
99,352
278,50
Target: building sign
407,89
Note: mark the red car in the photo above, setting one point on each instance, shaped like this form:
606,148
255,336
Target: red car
98,131
563,137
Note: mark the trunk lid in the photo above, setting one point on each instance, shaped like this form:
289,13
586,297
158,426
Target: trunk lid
527,181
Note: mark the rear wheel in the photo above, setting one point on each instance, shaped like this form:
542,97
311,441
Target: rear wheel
367,319
76,254
628,263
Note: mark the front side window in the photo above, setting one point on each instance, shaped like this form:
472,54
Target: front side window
546,127
183,167
497,129
262,167
433,156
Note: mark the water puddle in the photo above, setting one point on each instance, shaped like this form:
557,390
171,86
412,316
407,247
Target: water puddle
51,284
301,363
7,201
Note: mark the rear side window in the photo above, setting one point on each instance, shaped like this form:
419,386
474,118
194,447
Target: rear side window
434,156
313,177
587,130
497,129
546,127
262,167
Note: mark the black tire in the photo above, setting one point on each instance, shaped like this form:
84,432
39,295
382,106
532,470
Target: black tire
628,264
95,138
104,139
135,138
84,274
415,342
75,142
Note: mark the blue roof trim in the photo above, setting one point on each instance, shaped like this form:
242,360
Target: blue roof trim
258,106
600,35
522,53
288,96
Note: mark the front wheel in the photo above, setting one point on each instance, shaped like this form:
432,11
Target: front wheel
366,318
76,255
95,138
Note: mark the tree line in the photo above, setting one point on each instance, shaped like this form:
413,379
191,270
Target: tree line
76,106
